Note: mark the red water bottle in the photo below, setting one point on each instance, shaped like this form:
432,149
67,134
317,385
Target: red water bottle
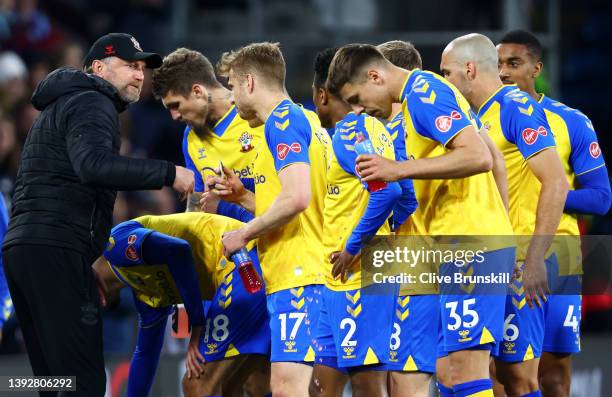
364,146
251,280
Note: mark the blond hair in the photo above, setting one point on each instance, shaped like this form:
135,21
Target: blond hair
261,59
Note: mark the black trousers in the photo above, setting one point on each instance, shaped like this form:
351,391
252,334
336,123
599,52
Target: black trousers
56,302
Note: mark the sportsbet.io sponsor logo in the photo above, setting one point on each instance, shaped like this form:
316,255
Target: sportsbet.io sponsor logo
259,179
333,189
246,172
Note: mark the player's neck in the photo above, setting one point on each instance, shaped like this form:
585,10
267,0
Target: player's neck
532,92
396,80
267,101
219,105
395,109
339,109
483,91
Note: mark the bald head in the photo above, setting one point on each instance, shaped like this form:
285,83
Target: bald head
475,48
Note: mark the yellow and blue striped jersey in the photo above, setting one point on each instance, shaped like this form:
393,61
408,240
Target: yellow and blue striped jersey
518,127
435,112
291,256
231,140
152,282
347,197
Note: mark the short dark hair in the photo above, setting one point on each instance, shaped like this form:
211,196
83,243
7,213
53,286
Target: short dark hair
402,54
180,70
321,66
525,38
348,62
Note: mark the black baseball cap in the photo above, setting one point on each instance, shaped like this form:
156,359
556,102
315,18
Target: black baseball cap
121,45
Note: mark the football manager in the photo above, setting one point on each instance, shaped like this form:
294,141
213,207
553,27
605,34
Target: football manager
63,204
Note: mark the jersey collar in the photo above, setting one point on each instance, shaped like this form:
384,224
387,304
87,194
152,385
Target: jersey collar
285,101
487,104
221,126
408,80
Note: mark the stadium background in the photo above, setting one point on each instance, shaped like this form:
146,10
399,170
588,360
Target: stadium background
38,36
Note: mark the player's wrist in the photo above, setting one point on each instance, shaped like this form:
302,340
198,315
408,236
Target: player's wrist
405,170
245,199
244,234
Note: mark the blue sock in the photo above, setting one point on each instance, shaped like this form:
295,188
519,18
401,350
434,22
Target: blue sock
268,395
536,393
445,391
479,387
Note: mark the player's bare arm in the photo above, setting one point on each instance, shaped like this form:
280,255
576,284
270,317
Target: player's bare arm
468,156
547,167
293,199
499,166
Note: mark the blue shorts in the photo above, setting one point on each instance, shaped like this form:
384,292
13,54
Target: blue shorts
415,334
355,326
562,311
562,324
472,313
294,314
236,321
523,335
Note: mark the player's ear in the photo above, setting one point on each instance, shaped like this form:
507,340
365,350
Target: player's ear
322,97
250,83
199,91
537,69
374,76
470,70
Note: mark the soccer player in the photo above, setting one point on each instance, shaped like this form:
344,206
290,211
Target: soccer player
537,189
415,327
188,88
520,62
288,203
450,166
222,66
166,260
346,339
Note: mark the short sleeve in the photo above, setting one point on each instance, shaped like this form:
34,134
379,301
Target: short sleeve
124,247
288,135
435,111
189,163
525,125
586,154
344,140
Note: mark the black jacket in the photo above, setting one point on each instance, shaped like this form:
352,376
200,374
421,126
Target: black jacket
71,168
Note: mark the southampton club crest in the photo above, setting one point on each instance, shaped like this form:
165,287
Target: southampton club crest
246,140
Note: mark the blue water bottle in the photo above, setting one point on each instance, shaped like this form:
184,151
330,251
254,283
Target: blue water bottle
364,146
